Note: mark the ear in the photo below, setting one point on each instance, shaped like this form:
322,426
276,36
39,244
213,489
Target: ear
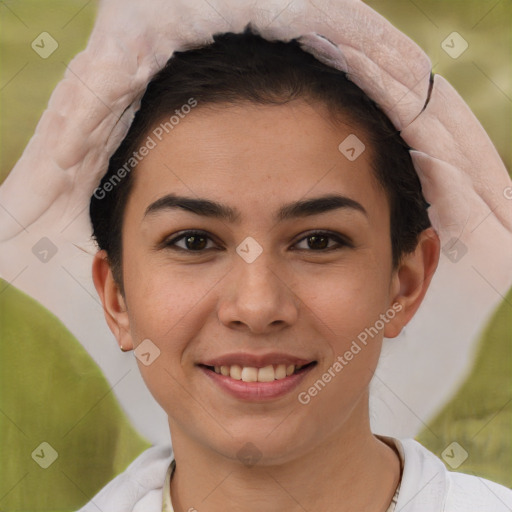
114,306
411,281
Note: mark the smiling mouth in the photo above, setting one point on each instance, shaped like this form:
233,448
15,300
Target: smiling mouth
268,373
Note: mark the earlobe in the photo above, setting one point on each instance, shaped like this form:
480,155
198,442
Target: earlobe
412,279
114,306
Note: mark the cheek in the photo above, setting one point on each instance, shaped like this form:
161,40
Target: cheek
344,298
168,306
165,300
346,305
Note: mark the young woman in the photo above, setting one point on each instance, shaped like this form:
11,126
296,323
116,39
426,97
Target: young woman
274,211
261,229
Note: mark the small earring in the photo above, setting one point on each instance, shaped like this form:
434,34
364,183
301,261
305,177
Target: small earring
123,349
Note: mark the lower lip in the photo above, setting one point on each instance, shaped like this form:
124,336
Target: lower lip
257,391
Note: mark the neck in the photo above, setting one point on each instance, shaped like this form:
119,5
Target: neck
350,470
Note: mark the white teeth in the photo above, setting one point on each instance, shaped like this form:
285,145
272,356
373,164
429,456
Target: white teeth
268,373
235,372
249,374
280,371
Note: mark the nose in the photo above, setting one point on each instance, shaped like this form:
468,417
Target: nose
256,297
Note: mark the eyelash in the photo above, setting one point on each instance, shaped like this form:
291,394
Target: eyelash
341,241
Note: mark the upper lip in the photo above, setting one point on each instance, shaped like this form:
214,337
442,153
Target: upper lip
256,361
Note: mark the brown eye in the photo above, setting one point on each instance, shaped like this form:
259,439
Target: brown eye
195,242
191,241
319,241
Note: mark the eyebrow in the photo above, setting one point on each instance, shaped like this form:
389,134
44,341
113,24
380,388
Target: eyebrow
208,208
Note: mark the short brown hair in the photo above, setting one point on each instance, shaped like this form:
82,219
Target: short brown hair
246,67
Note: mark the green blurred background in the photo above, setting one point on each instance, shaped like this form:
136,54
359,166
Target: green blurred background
480,416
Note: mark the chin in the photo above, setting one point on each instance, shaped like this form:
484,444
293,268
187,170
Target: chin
266,442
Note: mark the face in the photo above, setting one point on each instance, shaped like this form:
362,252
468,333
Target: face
290,270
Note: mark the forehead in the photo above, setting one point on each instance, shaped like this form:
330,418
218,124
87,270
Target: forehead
257,156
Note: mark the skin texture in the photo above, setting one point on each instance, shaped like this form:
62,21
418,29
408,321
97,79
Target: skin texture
293,299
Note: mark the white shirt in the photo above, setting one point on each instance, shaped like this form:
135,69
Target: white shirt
426,486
